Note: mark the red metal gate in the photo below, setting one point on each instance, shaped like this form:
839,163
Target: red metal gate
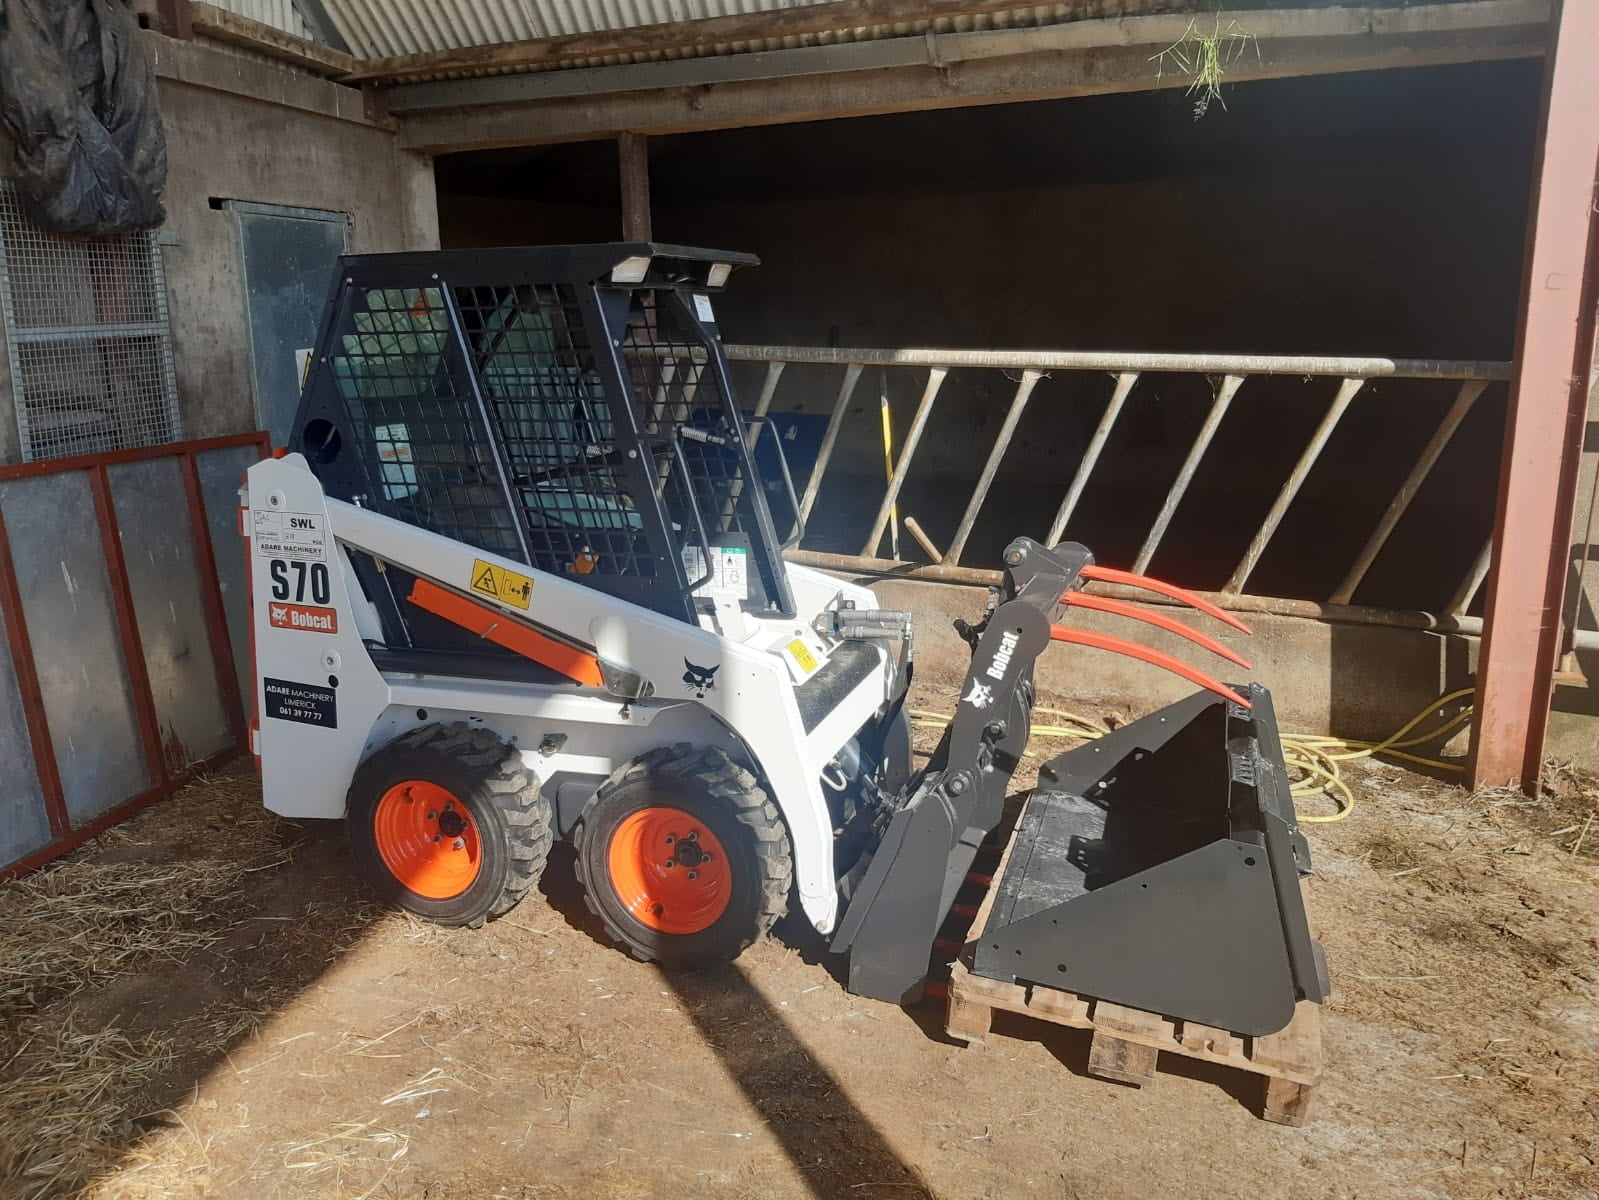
101,795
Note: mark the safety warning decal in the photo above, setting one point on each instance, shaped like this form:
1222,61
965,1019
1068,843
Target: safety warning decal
303,616
728,574
306,703
802,656
499,584
288,535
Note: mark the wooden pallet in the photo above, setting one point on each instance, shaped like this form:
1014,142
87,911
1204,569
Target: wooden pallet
1127,1042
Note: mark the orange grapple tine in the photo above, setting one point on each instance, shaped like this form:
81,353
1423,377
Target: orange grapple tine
1171,590
1116,645
1160,620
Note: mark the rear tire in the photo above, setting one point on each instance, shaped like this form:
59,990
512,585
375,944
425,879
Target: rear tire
684,857
446,823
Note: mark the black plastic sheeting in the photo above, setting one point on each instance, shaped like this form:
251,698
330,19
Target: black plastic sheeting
78,99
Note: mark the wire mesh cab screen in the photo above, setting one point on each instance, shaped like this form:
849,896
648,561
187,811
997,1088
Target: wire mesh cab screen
566,407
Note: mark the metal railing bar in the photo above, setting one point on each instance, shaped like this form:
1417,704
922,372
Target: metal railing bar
1295,481
813,485
774,372
1241,602
935,380
88,332
914,528
985,481
1218,410
1124,385
1468,589
1467,396
1115,361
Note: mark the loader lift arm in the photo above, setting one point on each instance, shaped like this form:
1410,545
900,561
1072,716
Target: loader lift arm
958,798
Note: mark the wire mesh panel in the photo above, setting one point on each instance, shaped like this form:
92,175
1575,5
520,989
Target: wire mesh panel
522,402
89,338
679,395
554,423
422,454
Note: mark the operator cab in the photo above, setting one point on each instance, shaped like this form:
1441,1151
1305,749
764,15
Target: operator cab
567,407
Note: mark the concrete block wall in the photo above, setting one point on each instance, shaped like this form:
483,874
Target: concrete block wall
225,145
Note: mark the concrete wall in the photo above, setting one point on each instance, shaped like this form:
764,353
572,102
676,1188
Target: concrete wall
239,129
1359,681
231,147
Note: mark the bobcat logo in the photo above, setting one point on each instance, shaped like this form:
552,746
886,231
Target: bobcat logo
981,695
701,679
280,616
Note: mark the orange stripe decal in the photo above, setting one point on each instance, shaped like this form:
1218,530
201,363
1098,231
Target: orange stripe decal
505,630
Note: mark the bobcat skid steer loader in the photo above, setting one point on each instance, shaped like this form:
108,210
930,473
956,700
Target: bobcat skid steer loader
517,577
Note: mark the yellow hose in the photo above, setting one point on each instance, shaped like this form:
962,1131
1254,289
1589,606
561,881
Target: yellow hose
1314,755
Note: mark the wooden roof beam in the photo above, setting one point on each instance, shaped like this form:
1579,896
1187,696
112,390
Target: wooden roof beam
1046,75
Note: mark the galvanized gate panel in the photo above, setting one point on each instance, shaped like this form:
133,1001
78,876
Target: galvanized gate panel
221,473
24,824
66,593
121,576
158,549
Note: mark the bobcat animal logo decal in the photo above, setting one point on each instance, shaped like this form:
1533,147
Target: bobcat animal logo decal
701,679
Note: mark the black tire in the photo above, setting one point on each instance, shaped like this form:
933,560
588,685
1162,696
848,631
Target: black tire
485,776
731,803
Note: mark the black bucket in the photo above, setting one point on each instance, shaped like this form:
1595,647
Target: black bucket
1159,868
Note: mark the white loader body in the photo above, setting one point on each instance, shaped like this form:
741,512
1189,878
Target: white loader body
736,681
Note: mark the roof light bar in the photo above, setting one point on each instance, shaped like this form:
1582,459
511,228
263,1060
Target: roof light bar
631,270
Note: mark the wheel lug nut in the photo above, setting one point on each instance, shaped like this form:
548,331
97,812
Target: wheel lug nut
433,816
460,843
705,858
670,863
693,874
695,836
438,837
670,838
449,806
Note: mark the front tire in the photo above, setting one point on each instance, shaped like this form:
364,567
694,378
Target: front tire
446,823
684,857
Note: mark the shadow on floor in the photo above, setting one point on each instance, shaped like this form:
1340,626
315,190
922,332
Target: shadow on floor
833,1145
174,938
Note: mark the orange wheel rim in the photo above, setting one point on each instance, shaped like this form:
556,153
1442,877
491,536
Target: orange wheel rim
669,870
427,839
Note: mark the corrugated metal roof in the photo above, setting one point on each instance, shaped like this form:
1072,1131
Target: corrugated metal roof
280,14
374,29
380,28
386,28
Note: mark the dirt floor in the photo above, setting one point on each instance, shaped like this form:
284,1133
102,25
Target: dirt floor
205,1004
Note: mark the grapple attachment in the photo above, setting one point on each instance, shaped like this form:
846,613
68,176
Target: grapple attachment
1157,867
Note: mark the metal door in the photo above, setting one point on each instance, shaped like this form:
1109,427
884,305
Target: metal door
289,255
